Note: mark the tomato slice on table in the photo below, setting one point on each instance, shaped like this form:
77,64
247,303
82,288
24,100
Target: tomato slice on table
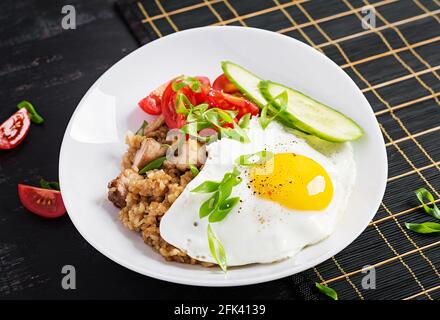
222,83
15,129
151,104
225,101
43,202
172,118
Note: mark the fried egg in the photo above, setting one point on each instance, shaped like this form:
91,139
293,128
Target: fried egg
289,202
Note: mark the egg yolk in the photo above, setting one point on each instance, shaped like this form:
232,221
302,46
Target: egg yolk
294,181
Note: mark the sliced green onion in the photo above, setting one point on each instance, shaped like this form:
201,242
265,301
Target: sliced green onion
423,194
217,250
208,206
225,190
33,114
425,228
220,200
246,160
329,292
269,108
207,187
244,121
194,170
191,82
140,131
223,209
235,133
52,185
155,164
182,104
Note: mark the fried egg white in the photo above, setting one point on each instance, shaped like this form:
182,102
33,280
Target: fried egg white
290,202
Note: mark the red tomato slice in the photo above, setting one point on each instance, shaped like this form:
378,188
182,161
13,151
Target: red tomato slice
202,96
172,118
221,100
204,81
15,129
222,83
151,104
43,202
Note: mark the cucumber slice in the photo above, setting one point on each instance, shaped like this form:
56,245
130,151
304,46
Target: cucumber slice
245,81
311,116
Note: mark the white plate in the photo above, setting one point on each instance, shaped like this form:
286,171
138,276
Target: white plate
94,142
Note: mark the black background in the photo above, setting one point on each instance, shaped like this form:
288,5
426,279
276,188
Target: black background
53,68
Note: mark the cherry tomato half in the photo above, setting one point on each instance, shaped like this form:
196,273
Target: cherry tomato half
225,101
172,118
151,104
204,81
15,129
222,83
43,202
202,96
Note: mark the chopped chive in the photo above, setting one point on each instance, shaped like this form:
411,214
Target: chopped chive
206,187
269,108
194,170
155,164
208,206
423,194
246,160
33,114
329,292
217,250
223,209
51,185
244,121
182,81
140,131
424,228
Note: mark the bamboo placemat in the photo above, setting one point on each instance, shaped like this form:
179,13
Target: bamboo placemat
396,66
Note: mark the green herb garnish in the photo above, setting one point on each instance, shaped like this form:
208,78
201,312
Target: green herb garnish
244,121
423,194
248,160
194,170
424,228
217,250
182,81
33,114
329,292
265,119
52,185
206,187
223,209
219,204
155,164
201,117
140,131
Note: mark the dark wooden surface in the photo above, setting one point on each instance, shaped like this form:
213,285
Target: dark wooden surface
53,68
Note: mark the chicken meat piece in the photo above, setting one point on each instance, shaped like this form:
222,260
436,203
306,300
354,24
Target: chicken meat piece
117,191
150,150
153,126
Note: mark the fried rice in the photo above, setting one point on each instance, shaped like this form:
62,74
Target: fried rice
144,199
